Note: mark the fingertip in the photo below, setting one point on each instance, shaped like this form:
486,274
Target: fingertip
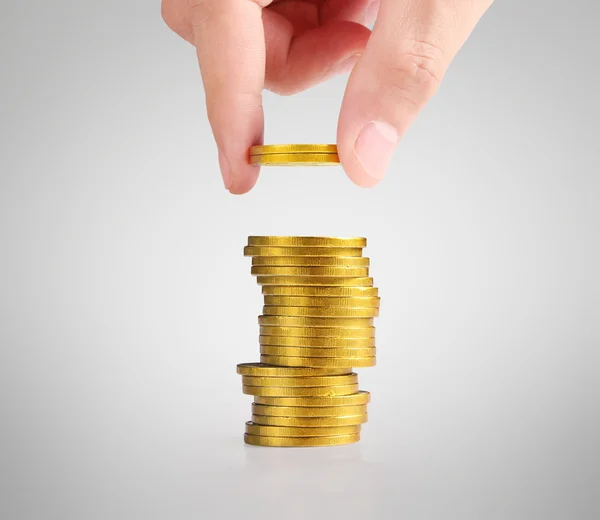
366,151
244,179
357,175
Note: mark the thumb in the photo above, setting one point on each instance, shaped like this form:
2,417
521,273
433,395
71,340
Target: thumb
412,45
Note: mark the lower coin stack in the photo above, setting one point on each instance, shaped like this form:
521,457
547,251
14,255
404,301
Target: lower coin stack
317,324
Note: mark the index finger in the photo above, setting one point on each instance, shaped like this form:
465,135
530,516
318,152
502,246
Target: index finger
230,44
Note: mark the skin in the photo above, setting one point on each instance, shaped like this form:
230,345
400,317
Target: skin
286,46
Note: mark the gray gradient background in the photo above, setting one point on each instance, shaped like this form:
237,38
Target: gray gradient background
125,302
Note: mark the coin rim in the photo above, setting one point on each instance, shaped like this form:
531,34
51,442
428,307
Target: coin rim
321,362
272,149
301,442
310,422
299,370
270,410
316,342
305,241
363,397
301,381
298,391
301,431
320,352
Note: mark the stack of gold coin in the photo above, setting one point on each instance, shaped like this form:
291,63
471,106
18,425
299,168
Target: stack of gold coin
294,155
316,325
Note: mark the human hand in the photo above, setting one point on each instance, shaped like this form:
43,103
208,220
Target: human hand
287,46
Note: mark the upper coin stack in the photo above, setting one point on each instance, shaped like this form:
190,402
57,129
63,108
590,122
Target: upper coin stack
317,323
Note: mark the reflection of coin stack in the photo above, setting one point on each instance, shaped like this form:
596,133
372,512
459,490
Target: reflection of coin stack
317,324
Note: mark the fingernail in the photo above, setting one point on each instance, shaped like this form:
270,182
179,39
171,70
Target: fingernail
371,11
375,146
346,66
225,170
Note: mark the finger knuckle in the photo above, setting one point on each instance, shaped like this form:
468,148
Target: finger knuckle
416,73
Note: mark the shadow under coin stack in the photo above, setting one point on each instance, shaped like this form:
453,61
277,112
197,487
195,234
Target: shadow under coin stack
316,325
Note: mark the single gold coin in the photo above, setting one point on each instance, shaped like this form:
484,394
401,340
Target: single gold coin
318,332
261,370
291,341
302,251
360,398
292,148
296,159
329,312
309,422
348,379
318,352
334,281
297,431
318,362
291,241
278,270
297,290
311,261
322,301
300,442
309,411
300,391
302,321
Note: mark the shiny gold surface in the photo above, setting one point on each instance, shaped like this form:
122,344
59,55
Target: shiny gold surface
296,159
327,312
297,442
360,398
334,281
324,261
317,332
278,270
296,290
301,321
291,341
347,379
309,411
309,422
299,391
318,352
292,148
302,251
298,431
318,362
297,241
317,325
321,301
260,369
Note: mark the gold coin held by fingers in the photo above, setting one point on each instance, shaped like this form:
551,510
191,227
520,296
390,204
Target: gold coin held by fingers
269,149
